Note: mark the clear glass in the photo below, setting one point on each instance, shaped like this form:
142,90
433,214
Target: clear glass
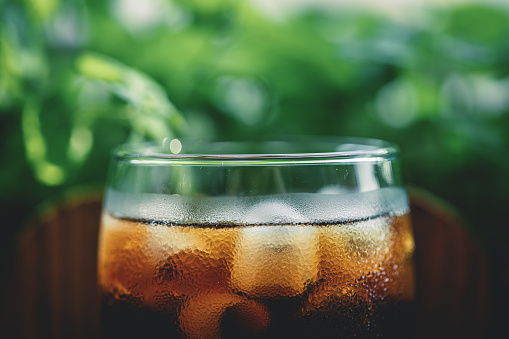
301,238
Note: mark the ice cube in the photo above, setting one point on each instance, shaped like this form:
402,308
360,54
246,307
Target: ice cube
122,261
159,263
275,261
334,189
348,251
198,267
274,212
161,242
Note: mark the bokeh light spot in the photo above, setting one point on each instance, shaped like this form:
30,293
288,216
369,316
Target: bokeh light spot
175,146
397,103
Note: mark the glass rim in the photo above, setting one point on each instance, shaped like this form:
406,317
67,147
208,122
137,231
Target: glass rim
347,149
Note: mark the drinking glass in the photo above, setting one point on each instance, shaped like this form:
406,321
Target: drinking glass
305,238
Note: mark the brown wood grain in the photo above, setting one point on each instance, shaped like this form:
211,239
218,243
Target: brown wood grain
451,273
53,287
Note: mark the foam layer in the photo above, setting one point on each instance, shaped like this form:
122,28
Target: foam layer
294,208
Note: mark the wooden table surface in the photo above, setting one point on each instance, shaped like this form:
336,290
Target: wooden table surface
50,290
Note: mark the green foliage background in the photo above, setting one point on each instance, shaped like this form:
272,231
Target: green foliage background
76,80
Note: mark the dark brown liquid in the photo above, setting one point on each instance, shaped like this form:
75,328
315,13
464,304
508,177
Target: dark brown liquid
342,280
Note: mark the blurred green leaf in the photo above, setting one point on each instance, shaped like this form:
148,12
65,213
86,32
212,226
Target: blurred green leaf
99,67
479,23
151,114
43,9
36,150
